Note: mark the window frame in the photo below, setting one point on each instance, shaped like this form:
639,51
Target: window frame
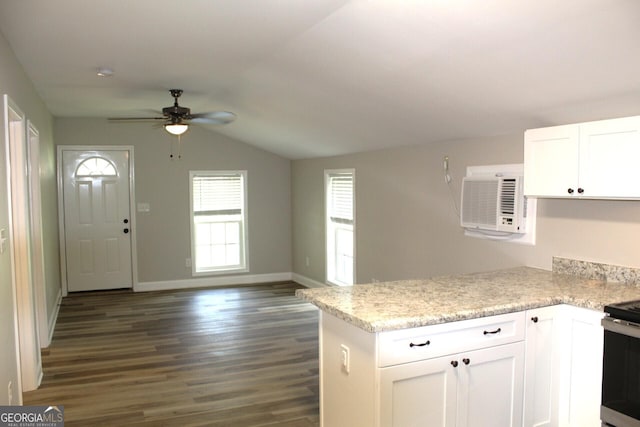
243,266
330,265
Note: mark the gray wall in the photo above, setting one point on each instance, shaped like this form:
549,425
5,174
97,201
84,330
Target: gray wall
163,234
15,83
406,226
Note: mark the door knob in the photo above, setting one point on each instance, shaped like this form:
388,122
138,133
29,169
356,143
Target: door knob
466,361
454,363
126,230
570,190
126,221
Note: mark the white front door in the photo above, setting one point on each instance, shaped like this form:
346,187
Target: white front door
97,219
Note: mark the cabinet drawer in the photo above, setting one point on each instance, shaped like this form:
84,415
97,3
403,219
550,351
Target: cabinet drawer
409,345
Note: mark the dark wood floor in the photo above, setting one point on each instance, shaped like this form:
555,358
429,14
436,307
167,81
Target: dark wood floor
240,356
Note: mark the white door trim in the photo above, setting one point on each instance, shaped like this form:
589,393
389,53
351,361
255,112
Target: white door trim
37,249
25,314
63,256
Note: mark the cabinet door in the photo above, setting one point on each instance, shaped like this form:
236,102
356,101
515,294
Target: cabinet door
609,158
541,388
491,386
551,161
419,394
581,367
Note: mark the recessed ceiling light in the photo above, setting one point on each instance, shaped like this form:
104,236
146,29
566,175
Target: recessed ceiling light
104,72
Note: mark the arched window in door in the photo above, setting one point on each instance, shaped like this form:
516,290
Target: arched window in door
96,166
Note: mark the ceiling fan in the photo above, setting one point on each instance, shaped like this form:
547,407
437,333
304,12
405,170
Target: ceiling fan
177,118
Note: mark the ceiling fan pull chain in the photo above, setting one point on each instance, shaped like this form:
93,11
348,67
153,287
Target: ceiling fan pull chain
178,153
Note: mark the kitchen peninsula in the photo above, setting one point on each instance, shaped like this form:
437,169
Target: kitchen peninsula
514,347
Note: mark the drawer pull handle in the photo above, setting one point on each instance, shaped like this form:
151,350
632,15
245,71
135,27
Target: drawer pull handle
497,331
466,361
454,363
420,345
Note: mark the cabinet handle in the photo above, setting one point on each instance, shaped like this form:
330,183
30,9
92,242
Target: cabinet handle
466,361
580,190
454,363
570,190
497,331
420,345
534,319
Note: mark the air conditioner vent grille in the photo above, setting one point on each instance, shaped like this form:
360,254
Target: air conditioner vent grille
508,197
494,203
479,205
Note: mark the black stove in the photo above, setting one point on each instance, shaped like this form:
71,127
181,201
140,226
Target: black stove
621,365
629,311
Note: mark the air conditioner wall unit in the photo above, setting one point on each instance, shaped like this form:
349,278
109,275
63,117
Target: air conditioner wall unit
493,203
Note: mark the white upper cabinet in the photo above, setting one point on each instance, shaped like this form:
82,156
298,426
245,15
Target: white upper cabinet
597,160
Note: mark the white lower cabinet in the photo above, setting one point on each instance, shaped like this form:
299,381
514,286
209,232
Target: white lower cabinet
481,372
421,393
461,374
474,389
563,367
581,367
466,373
491,386
542,363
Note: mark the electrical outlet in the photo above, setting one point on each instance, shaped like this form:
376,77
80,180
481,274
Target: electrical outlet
345,358
10,392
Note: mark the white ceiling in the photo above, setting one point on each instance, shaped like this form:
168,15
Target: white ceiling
312,78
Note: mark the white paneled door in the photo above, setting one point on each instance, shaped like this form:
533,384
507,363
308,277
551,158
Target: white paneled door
97,219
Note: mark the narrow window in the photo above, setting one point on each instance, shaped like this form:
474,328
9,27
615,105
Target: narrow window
340,226
218,221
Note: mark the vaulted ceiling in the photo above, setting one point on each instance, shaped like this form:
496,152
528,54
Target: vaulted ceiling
311,78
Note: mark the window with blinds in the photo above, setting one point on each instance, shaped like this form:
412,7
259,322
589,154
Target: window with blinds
341,193
340,226
218,223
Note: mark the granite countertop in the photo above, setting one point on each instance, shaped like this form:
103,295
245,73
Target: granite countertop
388,306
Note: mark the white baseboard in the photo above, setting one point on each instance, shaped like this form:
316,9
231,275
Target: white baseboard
309,283
215,281
53,319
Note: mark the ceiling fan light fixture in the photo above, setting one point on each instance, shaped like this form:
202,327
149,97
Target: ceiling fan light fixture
176,128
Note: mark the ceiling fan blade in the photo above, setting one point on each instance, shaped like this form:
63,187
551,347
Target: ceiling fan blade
216,117
135,119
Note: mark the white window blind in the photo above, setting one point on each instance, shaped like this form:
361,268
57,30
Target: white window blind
341,198
217,195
